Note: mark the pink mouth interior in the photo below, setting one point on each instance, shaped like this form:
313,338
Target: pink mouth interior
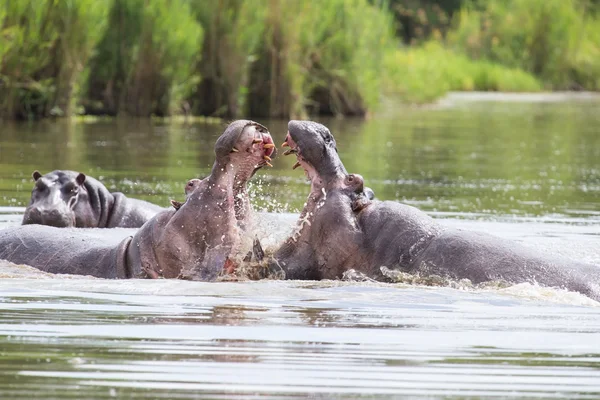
268,140
290,141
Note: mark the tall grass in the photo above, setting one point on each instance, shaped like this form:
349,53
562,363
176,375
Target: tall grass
556,40
233,32
282,58
320,57
145,62
44,46
423,74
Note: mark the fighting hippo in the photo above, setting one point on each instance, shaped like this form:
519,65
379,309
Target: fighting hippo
193,242
340,228
71,199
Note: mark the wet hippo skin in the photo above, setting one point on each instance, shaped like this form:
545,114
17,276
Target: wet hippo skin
192,242
64,198
340,228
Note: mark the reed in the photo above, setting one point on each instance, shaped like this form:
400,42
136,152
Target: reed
423,74
233,32
145,62
44,46
556,40
320,57
283,58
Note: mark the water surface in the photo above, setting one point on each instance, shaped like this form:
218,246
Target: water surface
523,170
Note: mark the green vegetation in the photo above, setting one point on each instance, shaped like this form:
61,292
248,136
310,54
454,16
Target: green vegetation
145,61
556,40
45,44
425,73
281,58
324,57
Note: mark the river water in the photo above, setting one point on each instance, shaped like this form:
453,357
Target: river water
523,168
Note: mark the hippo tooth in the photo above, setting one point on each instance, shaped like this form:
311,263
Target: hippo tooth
266,157
255,141
268,163
269,146
234,150
296,165
285,144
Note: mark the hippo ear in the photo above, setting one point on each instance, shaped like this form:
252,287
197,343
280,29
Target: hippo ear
36,175
80,179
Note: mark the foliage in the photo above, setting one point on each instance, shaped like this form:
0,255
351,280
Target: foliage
233,32
419,20
556,40
145,61
426,73
281,58
44,46
320,57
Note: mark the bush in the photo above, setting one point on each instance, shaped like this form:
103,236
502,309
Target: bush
322,57
44,45
426,73
145,62
556,40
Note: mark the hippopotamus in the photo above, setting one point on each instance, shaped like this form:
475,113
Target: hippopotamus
194,242
190,186
340,229
70,199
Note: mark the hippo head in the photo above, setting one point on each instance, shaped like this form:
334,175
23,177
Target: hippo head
316,152
191,185
246,146
315,149
54,199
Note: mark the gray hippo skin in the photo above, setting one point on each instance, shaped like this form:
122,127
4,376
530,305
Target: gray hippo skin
193,242
340,228
70,199
190,186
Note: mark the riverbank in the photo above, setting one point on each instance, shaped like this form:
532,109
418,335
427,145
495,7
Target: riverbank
281,59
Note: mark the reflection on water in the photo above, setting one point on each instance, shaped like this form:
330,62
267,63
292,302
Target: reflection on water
523,171
533,158
286,339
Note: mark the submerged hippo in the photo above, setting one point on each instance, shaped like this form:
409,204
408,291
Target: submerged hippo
190,186
193,242
71,199
341,229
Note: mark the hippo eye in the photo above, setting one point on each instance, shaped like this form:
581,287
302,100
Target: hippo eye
70,189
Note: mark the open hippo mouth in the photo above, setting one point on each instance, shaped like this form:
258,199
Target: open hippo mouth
243,149
250,151
315,151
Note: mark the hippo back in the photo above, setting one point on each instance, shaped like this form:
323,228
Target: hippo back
480,257
130,213
395,234
66,250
